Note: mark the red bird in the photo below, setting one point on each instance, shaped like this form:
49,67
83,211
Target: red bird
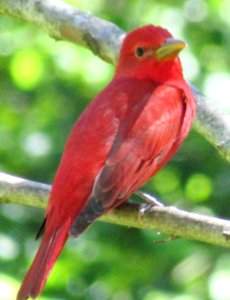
127,134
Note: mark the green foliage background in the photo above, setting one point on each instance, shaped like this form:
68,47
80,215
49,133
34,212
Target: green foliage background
45,85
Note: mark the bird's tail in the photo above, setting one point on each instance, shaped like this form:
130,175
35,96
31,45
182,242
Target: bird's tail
44,260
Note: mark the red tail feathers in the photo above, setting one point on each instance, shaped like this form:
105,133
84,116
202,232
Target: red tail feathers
45,258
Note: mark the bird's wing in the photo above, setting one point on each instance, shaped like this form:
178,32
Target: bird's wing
145,141
142,146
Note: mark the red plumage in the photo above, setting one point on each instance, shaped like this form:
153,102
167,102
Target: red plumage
128,132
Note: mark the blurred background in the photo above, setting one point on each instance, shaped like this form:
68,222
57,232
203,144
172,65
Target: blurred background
45,85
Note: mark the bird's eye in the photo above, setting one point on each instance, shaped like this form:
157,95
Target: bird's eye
139,52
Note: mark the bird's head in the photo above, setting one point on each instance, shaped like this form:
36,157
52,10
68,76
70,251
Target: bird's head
150,52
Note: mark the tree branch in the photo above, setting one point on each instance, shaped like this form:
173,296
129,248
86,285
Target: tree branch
62,21
169,220
213,124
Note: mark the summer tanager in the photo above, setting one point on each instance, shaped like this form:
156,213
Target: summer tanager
127,134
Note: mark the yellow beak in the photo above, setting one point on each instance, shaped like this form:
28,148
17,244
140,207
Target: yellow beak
170,49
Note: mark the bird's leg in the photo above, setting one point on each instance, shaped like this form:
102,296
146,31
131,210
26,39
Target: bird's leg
150,203
149,199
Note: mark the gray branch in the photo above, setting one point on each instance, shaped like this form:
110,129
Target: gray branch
213,124
170,220
64,22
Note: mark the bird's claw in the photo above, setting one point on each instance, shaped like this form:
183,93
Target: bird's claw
150,203
144,208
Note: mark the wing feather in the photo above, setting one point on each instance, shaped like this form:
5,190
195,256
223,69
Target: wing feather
138,154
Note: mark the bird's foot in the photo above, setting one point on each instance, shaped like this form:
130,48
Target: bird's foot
150,203
147,207
149,199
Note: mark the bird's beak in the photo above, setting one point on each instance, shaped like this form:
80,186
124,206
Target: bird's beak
170,49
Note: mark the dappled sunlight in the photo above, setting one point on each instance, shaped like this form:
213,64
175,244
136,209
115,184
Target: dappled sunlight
216,88
191,268
161,295
198,188
8,287
9,248
195,10
220,278
37,144
27,68
219,285
167,181
68,58
191,66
